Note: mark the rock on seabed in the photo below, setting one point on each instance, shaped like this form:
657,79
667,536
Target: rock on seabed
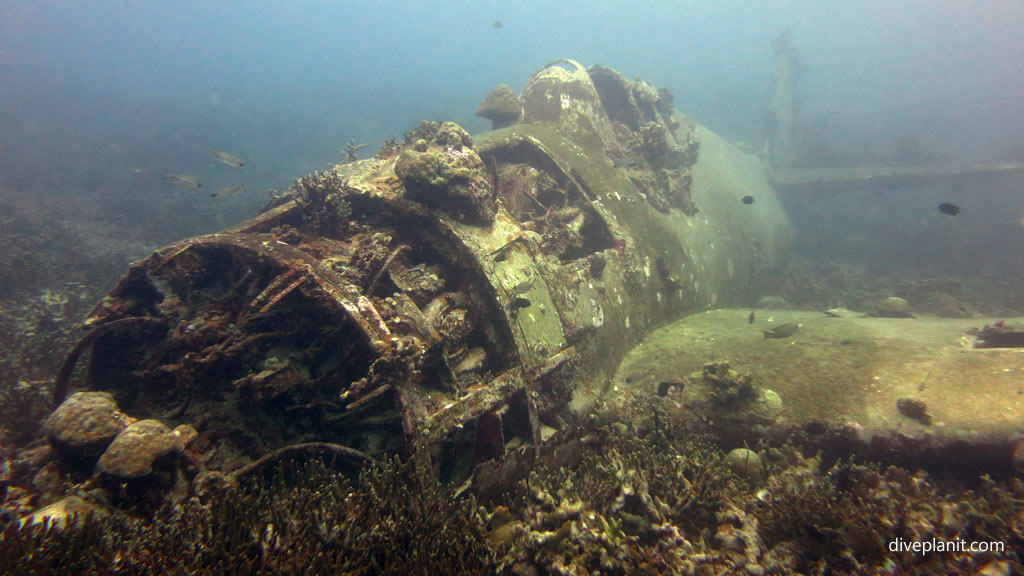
85,423
132,453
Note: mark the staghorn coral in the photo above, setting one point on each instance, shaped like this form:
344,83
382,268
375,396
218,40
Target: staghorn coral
397,520
845,520
388,149
618,500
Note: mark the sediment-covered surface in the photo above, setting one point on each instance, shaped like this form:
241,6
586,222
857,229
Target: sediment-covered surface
908,389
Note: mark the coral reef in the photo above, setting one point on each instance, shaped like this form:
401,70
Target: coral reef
720,401
668,180
396,520
37,329
322,196
847,519
388,149
352,150
501,106
745,463
837,283
649,496
445,173
998,335
621,505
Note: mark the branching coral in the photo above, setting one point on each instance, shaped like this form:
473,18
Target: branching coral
397,520
636,505
846,520
615,502
322,195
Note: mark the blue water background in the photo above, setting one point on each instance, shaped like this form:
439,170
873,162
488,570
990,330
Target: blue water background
99,100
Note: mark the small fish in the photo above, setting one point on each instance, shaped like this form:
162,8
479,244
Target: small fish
229,159
496,24
183,180
750,319
784,331
947,208
521,302
748,199
229,190
524,286
625,163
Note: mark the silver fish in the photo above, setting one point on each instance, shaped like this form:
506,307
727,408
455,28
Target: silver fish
183,180
229,190
229,159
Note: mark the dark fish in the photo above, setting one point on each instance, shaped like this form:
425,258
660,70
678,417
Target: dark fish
750,319
748,199
520,302
496,24
947,208
783,331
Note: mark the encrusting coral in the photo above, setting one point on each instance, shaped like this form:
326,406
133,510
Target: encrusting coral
501,106
442,171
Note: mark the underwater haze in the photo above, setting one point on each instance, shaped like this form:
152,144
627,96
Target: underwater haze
735,287
101,101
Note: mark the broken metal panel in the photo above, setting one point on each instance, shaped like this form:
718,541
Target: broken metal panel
611,291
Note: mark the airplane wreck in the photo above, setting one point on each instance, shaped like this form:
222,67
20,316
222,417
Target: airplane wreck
470,299
469,296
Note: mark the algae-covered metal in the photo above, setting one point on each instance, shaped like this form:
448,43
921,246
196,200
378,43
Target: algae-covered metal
468,296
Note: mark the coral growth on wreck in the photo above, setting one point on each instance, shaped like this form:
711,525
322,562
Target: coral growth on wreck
501,106
444,172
